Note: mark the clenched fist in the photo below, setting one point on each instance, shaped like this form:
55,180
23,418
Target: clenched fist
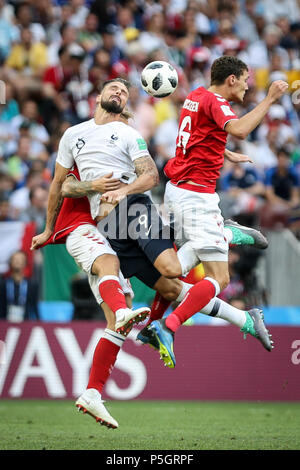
277,89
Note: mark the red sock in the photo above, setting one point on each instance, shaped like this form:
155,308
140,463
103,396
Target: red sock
104,359
158,308
112,293
197,297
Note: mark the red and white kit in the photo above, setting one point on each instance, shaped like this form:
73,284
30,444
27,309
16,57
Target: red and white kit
76,228
190,194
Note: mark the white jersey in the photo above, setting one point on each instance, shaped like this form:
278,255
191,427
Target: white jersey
101,149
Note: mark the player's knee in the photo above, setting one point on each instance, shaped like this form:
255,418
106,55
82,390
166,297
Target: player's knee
169,289
169,271
169,295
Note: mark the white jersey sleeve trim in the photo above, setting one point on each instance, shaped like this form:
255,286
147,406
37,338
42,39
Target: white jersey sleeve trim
231,119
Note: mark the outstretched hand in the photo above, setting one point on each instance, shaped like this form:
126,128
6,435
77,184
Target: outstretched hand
235,157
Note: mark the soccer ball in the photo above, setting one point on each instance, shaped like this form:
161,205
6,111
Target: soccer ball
159,79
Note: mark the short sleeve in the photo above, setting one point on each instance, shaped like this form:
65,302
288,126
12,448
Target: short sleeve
220,111
136,146
64,154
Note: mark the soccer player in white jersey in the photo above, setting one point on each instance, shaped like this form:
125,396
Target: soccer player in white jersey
93,147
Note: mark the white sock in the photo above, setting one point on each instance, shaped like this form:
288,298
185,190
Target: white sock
220,309
185,288
114,337
188,258
228,234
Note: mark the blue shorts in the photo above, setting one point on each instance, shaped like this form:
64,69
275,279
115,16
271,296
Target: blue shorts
138,235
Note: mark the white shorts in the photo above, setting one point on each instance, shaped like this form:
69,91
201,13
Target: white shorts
197,218
85,244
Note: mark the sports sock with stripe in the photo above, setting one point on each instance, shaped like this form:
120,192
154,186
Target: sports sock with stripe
112,293
196,298
220,309
105,356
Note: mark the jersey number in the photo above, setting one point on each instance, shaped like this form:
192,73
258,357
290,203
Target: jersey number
184,133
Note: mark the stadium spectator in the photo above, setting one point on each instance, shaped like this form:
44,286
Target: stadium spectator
89,37
242,191
18,294
79,13
144,115
5,209
282,193
153,38
65,38
29,122
277,120
24,14
245,21
10,108
274,9
18,165
6,182
27,59
260,52
8,35
36,212
19,199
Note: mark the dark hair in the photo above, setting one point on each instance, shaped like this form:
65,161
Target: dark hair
284,150
225,66
117,79
62,50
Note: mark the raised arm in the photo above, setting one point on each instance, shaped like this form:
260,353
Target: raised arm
55,199
242,127
147,178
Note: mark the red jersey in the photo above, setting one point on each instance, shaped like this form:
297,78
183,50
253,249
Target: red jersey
73,212
201,140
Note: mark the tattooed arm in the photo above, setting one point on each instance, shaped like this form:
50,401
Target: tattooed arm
147,178
55,199
76,189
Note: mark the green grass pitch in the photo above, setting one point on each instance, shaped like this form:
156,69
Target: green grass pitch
151,425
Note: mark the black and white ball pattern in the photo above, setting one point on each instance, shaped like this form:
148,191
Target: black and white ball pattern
159,79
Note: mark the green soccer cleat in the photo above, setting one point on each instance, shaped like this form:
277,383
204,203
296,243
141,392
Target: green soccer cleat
246,235
165,339
255,326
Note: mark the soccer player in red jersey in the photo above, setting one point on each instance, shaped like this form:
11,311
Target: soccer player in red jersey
205,121
75,214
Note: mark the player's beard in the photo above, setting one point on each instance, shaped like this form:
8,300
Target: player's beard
111,106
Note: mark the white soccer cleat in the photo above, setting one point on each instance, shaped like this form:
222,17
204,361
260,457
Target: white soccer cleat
91,402
126,317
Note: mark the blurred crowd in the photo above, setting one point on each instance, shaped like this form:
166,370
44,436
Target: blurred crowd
54,55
